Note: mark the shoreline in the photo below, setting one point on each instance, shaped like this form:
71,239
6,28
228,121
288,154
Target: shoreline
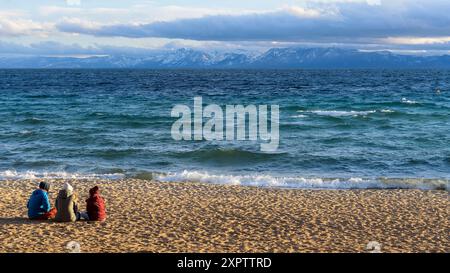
149,216
252,180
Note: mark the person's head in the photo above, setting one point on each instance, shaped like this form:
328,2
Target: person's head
68,188
94,190
44,186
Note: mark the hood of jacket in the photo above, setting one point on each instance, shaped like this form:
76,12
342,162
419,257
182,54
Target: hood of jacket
93,191
64,194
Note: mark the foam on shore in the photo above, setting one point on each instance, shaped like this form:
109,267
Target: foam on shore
306,183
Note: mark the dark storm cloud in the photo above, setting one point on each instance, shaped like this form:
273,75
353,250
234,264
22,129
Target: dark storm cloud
339,22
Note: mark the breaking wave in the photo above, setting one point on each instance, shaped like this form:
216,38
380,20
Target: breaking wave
15,175
304,182
257,180
339,113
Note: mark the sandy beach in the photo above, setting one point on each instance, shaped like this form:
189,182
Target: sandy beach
146,216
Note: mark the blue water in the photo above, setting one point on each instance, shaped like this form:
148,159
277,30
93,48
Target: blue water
338,128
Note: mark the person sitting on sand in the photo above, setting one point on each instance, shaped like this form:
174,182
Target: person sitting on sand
95,206
38,205
66,205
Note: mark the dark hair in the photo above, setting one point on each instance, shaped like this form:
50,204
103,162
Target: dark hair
44,186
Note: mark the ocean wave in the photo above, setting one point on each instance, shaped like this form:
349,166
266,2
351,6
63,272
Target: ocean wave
298,116
33,121
115,153
15,175
405,100
305,183
341,113
227,155
257,180
123,120
26,132
38,96
447,160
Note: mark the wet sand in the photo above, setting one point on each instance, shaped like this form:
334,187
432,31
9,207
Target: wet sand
145,216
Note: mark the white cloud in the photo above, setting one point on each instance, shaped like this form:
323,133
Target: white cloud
73,2
368,23
18,27
138,13
342,22
416,40
303,12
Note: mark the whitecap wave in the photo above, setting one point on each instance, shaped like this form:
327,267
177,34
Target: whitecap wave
257,180
298,116
405,100
338,113
26,132
305,183
341,113
31,175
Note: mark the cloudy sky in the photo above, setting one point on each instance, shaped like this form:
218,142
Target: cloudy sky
99,26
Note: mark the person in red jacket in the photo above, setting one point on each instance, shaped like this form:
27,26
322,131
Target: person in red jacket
95,206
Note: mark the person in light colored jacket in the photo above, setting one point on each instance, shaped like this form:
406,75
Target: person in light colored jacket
66,205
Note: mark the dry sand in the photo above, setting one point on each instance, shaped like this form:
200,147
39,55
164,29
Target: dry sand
146,216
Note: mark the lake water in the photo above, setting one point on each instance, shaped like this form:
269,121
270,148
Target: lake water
338,128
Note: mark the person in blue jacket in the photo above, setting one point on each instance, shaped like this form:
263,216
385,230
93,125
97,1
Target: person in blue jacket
38,205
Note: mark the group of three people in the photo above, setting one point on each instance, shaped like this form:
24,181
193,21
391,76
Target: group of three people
66,205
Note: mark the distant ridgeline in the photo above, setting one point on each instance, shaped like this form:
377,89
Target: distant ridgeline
273,58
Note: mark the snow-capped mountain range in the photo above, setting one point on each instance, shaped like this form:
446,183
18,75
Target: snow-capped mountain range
272,58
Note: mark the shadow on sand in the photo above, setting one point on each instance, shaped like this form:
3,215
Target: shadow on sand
26,221
20,221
